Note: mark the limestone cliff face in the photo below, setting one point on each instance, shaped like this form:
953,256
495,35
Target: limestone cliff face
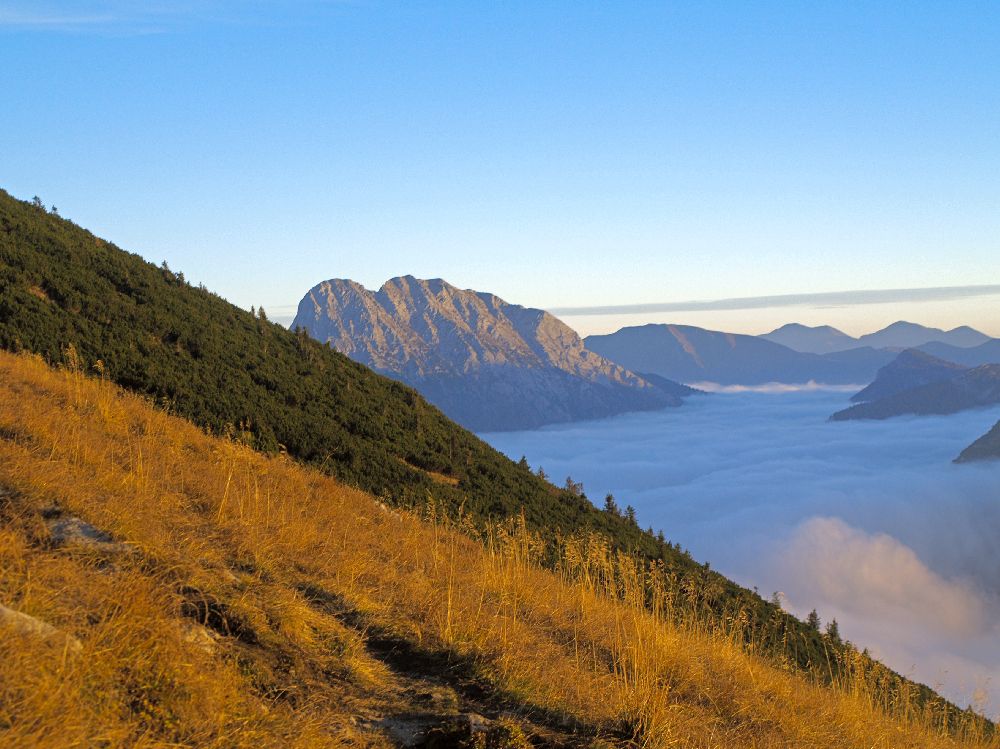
488,364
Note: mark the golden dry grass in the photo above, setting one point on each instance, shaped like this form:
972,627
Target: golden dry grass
304,569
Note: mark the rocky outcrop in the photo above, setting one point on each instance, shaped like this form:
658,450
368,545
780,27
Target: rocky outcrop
27,625
487,364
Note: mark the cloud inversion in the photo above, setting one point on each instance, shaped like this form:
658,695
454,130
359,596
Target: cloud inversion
868,522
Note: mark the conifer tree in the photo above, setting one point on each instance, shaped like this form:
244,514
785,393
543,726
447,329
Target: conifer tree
610,506
833,630
812,621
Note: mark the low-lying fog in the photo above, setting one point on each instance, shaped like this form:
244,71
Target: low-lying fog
868,522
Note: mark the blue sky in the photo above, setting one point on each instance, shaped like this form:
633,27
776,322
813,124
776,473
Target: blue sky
557,154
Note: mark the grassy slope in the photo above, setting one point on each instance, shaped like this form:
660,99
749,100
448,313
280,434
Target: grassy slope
226,370
231,372
254,602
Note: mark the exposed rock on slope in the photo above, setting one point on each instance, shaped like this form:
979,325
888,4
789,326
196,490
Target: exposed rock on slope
986,447
912,368
689,354
971,389
488,364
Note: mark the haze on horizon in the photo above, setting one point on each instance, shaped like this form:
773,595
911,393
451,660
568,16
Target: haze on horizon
555,154
854,312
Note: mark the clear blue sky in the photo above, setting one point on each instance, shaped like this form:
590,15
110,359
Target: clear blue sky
558,154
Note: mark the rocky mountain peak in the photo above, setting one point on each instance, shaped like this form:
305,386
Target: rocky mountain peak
427,329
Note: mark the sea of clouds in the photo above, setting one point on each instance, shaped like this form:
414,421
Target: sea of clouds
868,522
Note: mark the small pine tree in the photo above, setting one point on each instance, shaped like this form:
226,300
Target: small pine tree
630,514
812,621
37,202
833,630
542,474
523,462
610,506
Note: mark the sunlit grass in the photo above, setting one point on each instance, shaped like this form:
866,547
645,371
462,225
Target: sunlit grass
303,567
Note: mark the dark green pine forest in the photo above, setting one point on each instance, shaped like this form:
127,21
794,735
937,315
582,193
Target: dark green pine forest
78,300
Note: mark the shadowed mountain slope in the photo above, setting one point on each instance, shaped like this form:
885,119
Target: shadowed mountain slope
972,388
488,364
675,388
691,355
985,353
986,447
912,368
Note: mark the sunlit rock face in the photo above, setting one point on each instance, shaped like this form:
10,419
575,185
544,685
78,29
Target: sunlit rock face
488,364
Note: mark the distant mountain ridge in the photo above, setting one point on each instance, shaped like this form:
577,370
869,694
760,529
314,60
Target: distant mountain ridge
972,388
984,353
691,355
822,339
488,364
919,383
912,368
900,335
